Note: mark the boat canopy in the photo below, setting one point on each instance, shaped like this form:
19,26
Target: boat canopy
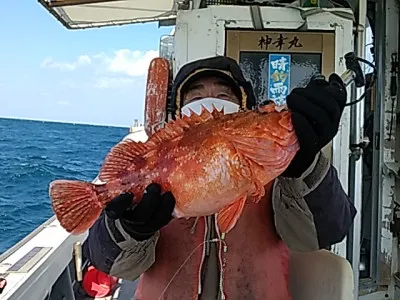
81,14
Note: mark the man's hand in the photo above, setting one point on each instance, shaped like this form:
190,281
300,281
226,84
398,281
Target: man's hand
316,112
152,213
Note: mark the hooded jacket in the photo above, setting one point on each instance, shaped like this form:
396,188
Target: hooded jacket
221,66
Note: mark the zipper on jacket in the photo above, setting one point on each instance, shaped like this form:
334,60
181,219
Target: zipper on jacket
203,255
222,249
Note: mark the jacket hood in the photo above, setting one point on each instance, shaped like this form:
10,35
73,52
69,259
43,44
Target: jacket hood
220,66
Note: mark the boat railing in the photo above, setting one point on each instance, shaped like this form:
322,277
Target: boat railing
41,265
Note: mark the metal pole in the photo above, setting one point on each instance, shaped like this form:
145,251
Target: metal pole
380,58
355,163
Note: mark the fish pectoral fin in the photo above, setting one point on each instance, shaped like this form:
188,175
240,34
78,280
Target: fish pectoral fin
229,215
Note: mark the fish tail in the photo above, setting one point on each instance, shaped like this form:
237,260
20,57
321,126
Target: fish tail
76,204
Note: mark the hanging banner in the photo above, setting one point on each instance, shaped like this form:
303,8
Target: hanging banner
279,78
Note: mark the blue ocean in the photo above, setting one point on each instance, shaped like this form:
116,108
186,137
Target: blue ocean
32,154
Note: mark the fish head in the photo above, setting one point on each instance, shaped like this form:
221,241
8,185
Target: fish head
265,136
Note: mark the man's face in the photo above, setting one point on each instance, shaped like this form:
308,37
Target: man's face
209,87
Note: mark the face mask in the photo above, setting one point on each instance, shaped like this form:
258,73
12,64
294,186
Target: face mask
229,107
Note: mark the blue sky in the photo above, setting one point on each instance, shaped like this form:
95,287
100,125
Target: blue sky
94,76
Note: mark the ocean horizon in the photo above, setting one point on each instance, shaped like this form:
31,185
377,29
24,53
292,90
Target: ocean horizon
36,152
66,122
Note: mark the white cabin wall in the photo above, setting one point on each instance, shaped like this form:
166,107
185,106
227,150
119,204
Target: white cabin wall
195,36
201,33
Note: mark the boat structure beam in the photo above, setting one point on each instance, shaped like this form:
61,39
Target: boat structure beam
388,152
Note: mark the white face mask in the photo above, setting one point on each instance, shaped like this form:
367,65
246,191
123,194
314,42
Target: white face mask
229,107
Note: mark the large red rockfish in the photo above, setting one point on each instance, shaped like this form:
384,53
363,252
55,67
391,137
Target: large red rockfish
212,163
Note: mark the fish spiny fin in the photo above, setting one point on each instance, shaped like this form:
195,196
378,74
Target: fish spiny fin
128,152
228,216
170,131
217,113
176,128
204,116
270,107
121,157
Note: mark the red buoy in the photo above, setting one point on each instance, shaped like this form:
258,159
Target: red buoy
97,283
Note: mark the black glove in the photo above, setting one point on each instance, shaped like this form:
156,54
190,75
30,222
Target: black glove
316,112
152,213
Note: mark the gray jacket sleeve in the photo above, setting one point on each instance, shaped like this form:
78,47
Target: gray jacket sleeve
111,250
312,212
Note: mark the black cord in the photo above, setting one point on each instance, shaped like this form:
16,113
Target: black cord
368,63
372,82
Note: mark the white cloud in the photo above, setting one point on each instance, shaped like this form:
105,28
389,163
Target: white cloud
125,62
63,103
69,83
50,63
112,82
131,63
45,93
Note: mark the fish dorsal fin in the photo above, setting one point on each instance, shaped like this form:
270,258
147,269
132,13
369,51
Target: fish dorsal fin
121,157
204,116
128,153
176,128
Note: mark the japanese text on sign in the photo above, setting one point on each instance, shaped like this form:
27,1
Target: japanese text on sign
267,42
279,78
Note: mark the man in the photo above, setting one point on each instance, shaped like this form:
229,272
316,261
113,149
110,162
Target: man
305,209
